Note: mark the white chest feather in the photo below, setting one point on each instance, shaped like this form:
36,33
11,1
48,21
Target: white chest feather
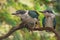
49,22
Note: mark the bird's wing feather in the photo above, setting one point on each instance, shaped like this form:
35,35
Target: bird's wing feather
43,22
54,23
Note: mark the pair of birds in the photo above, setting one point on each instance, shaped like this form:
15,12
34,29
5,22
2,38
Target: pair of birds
31,17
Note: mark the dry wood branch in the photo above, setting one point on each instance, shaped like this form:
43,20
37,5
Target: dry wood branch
32,29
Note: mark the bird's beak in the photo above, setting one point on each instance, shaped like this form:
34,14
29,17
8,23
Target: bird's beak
13,13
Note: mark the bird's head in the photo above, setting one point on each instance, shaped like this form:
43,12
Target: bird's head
47,13
19,13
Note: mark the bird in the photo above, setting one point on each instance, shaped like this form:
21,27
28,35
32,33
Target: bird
30,17
54,22
48,15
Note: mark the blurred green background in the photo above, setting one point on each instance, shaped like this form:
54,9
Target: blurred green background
7,21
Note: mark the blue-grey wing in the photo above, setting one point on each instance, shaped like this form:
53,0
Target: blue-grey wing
33,14
43,22
54,23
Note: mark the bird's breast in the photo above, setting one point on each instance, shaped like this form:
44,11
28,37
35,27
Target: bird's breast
49,22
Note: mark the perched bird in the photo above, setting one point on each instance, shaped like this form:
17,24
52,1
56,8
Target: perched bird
30,17
49,19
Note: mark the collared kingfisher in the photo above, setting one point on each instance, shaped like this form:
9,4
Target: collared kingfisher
28,16
49,19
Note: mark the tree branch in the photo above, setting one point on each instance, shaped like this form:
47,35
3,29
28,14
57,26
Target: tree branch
32,29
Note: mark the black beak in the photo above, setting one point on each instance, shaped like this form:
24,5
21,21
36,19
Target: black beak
13,13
